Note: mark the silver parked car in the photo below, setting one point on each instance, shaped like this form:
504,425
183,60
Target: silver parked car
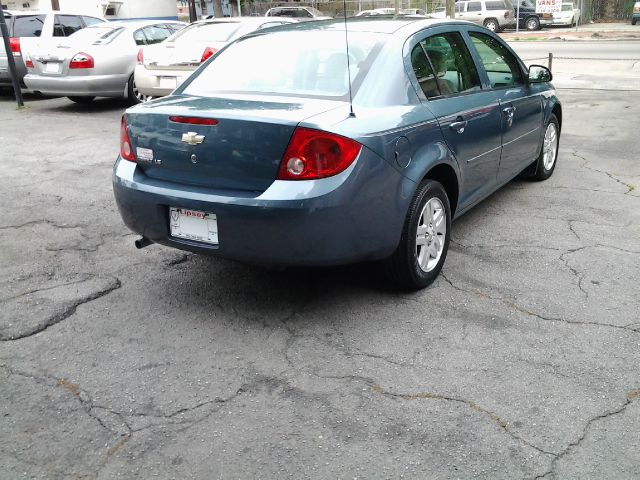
96,62
31,29
161,68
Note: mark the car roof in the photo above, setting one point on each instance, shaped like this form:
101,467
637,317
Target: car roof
239,20
375,24
135,24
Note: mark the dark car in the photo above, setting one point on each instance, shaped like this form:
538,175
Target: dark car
276,152
529,19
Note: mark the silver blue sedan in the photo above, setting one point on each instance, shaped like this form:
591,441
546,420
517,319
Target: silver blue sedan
97,61
288,149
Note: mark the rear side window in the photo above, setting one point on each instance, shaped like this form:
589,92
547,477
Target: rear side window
66,25
28,25
443,66
459,7
495,5
501,66
474,7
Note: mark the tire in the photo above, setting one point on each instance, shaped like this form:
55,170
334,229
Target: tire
492,24
546,162
532,23
134,96
634,21
81,99
430,211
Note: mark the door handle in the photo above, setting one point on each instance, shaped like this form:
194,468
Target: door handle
458,126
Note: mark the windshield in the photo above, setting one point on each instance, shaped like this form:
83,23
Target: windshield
97,35
206,32
288,63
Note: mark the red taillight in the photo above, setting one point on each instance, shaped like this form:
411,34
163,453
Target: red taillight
194,120
82,60
28,63
126,151
208,52
14,45
314,154
140,57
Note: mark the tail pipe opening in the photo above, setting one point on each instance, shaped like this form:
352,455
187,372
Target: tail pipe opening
142,242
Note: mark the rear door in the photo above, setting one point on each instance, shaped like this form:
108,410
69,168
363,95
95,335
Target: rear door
473,12
469,117
521,105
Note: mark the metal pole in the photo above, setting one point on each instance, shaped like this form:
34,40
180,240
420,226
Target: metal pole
395,4
579,15
239,9
550,60
518,17
4,31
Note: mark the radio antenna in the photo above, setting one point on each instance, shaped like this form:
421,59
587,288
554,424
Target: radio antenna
346,41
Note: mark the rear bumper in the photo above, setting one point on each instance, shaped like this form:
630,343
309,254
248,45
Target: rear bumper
159,83
354,216
86,85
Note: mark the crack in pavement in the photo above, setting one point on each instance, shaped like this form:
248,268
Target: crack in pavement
515,306
496,419
66,313
84,278
630,397
630,187
36,222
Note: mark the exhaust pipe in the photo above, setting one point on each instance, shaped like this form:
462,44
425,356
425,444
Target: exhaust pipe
142,242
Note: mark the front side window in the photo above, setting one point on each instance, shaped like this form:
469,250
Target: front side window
443,66
28,25
66,25
502,67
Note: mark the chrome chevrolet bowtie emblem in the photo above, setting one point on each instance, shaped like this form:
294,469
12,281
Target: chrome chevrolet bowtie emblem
192,138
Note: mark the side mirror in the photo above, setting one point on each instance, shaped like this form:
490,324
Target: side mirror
539,74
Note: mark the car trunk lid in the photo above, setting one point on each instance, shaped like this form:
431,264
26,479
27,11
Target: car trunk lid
241,152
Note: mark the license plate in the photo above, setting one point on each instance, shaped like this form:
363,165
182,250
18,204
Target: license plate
168,82
193,225
52,67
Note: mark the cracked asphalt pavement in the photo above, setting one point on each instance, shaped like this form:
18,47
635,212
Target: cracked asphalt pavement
522,361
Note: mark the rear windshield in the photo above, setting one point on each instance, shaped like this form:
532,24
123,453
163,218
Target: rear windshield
289,63
206,32
98,35
28,25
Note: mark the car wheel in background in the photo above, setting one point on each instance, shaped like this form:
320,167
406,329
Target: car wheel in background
532,23
424,243
135,96
546,162
633,21
81,99
492,24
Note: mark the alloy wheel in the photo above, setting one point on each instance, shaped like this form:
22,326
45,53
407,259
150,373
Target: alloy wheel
550,146
430,234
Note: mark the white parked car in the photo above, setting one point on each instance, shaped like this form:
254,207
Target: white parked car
30,30
568,16
161,68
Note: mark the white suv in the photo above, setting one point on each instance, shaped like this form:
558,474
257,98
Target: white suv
493,14
29,29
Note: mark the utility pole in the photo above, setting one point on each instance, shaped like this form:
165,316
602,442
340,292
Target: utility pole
451,9
55,5
4,32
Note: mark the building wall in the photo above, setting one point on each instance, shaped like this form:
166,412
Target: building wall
127,8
